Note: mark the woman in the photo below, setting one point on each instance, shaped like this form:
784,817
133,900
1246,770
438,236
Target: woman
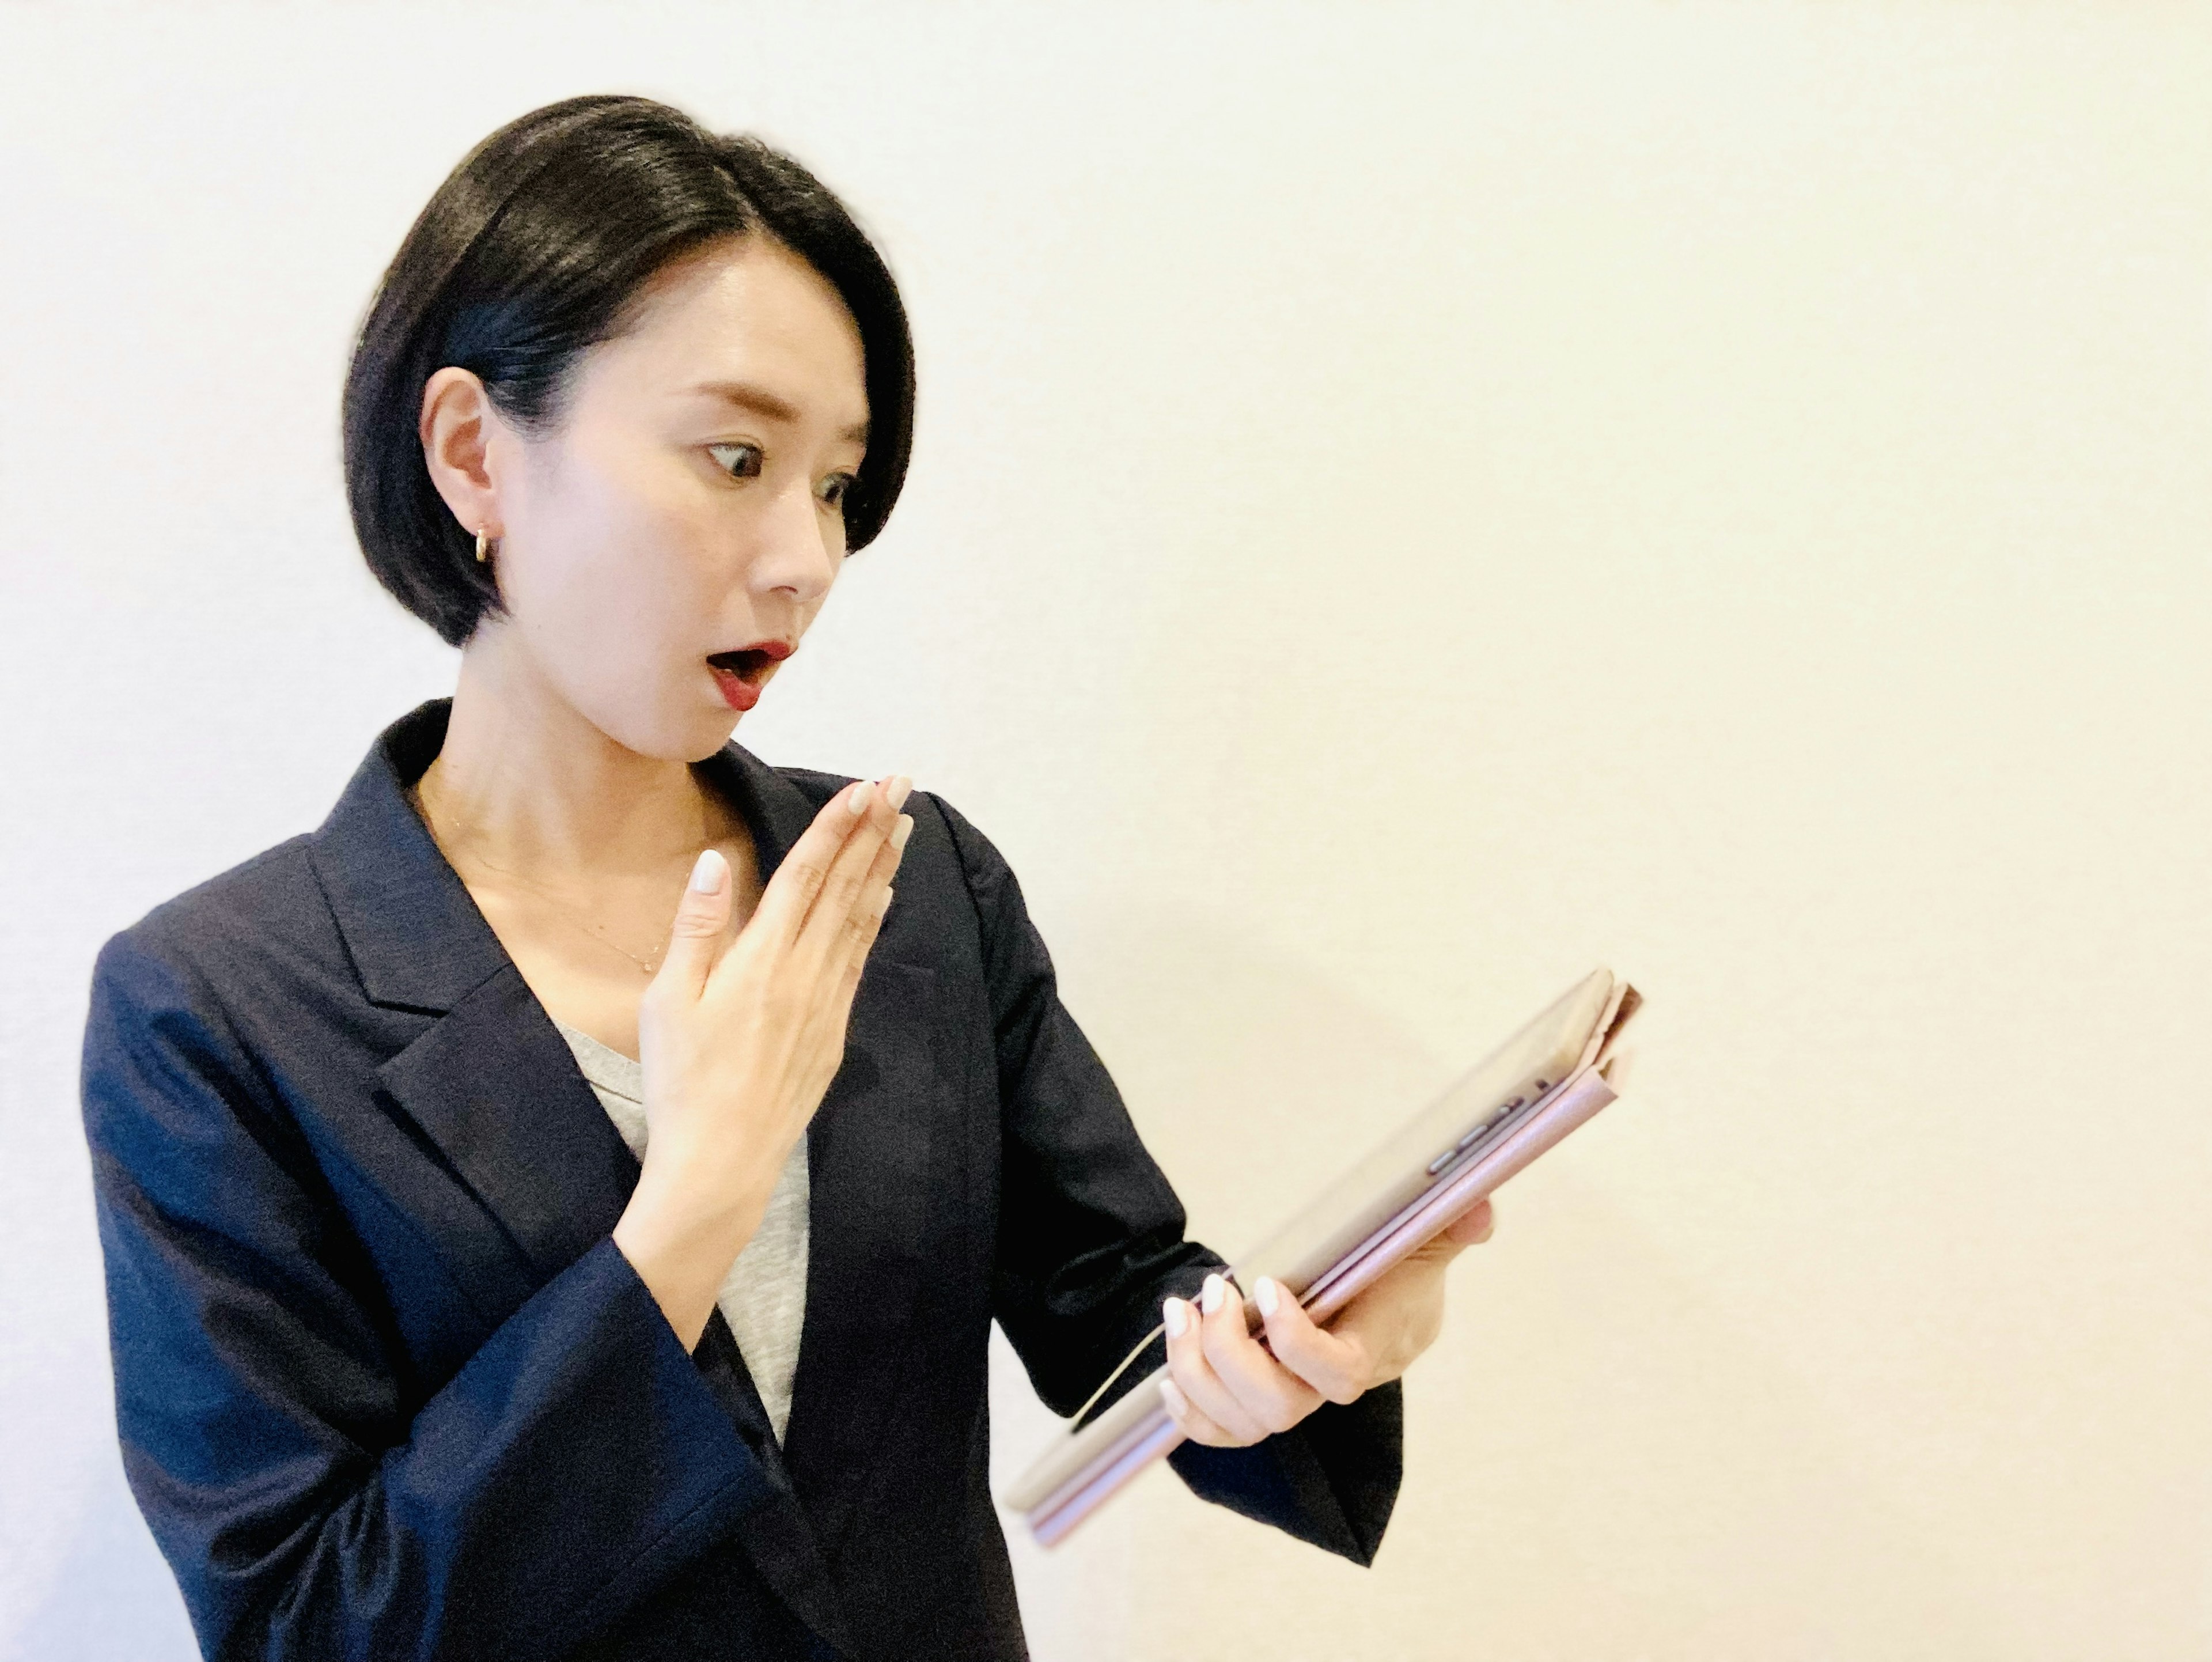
495,1269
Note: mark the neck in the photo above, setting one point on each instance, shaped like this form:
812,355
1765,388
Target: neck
524,782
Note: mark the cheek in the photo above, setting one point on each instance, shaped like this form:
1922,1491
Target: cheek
611,591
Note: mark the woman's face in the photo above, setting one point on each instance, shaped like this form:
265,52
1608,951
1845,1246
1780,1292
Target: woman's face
687,506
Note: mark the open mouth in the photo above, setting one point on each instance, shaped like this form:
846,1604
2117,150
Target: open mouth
740,674
746,664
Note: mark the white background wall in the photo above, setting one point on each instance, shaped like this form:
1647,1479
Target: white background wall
1409,504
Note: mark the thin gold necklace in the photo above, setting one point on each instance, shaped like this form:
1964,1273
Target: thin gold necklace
649,966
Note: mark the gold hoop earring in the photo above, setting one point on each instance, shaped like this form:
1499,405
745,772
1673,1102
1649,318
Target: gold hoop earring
483,547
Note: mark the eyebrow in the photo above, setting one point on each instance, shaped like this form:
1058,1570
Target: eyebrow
762,402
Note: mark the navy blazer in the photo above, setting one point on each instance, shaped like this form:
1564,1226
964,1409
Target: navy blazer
386,1388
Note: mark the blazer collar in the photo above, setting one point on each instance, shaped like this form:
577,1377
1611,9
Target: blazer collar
417,938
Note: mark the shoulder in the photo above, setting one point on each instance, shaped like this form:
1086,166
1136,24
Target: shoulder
166,1061
261,931
268,895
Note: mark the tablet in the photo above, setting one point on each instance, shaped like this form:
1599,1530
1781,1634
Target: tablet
1497,1117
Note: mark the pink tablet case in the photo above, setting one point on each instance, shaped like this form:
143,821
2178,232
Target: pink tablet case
1073,1480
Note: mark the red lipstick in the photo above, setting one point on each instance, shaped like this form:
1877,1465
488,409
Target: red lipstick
740,672
737,692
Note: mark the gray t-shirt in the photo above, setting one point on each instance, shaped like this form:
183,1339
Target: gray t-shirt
763,1298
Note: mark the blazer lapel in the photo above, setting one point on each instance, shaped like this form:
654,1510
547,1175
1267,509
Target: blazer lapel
488,1083
493,1084
778,1535
492,1087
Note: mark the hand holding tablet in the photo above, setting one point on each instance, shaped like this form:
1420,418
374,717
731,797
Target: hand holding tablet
1229,1387
1434,1171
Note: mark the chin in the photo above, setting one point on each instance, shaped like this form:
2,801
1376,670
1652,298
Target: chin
708,737
669,734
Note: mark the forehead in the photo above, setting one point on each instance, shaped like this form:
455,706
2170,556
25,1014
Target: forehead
744,310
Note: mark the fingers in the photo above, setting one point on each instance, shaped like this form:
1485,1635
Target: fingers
789,897
833,942
1333,1367
1194,1425
696,935
1223,1372
866,918
870,894
1473,1226
841,917
1198,1403
1267,1390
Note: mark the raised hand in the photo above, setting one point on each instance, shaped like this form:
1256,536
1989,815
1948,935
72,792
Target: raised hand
740,1037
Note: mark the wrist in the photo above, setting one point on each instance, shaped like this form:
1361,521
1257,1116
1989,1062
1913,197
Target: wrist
682,1245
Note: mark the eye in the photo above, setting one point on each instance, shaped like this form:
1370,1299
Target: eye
739,461
835,489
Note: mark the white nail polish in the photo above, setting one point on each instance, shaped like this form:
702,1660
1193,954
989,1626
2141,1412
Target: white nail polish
903,830
1266,1297
896,794
858,800
706,872
1209,1298
1176,1314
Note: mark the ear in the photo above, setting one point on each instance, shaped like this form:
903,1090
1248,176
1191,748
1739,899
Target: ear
462,439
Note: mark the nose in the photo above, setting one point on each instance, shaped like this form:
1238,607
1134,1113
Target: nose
800,546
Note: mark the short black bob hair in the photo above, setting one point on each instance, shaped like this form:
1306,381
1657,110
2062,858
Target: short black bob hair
530,253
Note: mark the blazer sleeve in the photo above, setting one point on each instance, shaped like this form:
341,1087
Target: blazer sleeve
308,1503
1091,1240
